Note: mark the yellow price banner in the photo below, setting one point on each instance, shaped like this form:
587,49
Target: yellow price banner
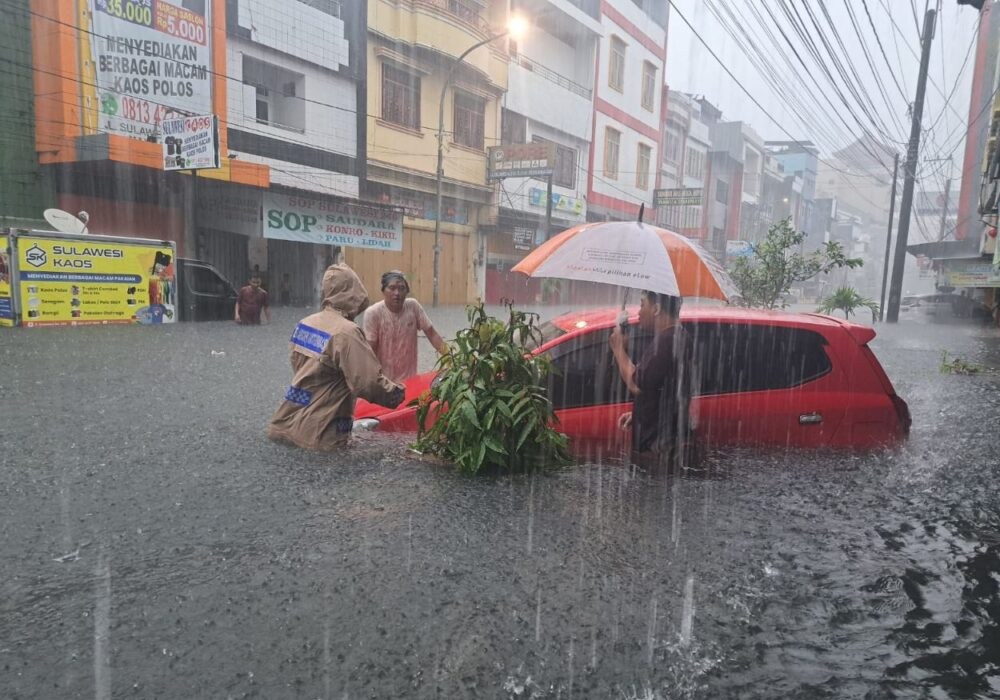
87,281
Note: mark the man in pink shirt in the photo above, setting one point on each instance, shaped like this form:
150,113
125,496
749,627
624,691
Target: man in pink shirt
391,327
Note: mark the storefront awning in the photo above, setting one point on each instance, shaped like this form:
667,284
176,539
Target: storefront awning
946,250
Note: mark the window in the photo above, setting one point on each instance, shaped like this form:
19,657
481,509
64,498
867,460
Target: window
465,9
400,97
671,146
648,85
263,112
694,163
642,166
612,143
722,192
616,65
203,280
738,358
586,375
470,120
273,95
513,127
564,173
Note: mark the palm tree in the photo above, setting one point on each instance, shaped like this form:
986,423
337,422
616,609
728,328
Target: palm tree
848,300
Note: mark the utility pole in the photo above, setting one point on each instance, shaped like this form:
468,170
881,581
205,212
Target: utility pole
888,237
910,172
944,211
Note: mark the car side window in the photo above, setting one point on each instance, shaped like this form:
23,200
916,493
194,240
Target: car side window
735,358
586,374
203,280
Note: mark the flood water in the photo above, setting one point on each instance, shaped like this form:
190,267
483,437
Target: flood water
155,545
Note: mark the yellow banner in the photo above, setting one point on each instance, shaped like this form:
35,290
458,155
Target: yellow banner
6,302
89,281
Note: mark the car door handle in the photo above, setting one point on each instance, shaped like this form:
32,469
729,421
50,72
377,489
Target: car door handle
810,418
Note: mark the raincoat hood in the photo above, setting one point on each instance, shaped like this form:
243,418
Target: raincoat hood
343,291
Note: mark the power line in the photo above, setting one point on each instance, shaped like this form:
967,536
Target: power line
888,65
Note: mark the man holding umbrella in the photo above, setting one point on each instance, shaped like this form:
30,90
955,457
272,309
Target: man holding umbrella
660,383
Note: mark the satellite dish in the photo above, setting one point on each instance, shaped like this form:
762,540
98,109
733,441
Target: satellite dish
64,221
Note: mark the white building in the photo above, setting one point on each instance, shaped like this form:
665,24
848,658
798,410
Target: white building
295,72
628,108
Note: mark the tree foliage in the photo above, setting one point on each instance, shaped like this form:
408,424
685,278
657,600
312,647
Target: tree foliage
848,300
489,407
766,276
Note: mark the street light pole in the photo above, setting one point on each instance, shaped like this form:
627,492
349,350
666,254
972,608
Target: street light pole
440,154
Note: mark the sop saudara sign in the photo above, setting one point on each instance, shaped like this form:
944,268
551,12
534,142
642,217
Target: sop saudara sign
328,222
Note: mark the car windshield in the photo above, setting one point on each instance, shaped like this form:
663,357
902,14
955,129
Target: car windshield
266,431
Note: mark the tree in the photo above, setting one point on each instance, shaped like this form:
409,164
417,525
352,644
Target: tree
767,275
848,300
489,404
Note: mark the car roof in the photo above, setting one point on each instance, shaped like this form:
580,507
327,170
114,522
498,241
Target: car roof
579,322
605,317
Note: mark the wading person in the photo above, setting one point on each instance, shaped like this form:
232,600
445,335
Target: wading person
660,384
332,365
251,301
391,327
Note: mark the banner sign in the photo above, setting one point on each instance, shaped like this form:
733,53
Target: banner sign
959,273
311,220
6,302
190,143
678,197
524,238
151,60
521,160
560,202
67,281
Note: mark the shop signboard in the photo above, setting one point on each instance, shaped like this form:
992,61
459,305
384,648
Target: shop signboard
78,280
524,238
678,197
151,59
969,273
560,202
190,143
738,249
328,222
6,298
521,160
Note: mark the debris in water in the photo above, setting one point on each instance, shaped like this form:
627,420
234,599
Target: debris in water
218,353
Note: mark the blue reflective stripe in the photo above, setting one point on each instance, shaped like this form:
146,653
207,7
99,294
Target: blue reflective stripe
300,396
309,338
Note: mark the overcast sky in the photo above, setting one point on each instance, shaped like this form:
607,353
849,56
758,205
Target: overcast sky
799,103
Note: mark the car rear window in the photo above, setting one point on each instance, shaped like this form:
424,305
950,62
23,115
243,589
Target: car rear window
740,357
546,331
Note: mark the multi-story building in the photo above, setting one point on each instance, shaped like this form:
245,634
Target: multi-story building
412,47
859,177
799,159
737,171
628,108
296,80
685,168
97,119
549,100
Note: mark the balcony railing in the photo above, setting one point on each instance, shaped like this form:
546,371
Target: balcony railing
554,77
466,10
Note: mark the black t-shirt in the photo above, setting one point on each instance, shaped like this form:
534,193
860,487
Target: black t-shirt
663,375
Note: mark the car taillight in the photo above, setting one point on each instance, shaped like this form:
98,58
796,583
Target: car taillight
903,412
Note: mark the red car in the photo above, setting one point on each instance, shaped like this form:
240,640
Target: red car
764,378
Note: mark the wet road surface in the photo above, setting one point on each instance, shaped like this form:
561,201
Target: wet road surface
155,545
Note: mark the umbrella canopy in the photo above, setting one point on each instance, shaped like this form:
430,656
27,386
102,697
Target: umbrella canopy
630,254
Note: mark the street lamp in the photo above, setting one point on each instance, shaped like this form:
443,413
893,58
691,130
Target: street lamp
515,28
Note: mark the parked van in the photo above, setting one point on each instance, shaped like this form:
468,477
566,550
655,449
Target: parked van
205,294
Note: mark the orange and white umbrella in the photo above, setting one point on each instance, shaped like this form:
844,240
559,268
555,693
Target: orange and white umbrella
630,254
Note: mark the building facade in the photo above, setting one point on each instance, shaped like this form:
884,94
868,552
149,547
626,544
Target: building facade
685,168
412,47
628,109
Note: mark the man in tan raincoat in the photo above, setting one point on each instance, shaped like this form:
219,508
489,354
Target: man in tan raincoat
332,365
